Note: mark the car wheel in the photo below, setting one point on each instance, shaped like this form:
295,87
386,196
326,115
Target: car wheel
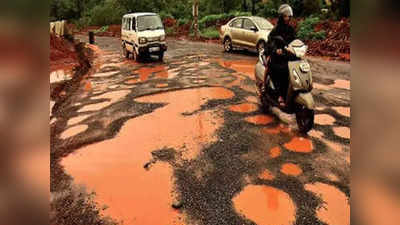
228,45
260,46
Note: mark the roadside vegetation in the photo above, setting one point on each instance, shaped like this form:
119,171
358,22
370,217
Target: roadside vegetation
104,16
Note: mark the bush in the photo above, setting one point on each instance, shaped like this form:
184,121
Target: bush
210,32
210,20
183,21
306,30
101,29
164,15
105,14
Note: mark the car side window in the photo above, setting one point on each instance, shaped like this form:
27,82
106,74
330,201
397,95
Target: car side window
237,23
248,24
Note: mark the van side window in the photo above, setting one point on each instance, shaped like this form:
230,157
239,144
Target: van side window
133,23
128,27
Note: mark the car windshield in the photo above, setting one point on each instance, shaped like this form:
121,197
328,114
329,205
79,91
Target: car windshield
152,22
262,23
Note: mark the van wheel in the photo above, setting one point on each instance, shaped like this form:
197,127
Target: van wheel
228,44
135,55
125,52
260,46
160,56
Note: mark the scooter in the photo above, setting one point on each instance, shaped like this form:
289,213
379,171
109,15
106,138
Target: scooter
299,100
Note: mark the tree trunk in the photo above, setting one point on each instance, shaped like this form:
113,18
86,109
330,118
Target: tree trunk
196,18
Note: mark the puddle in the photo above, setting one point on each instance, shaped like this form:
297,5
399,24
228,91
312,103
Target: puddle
59,75
133,81
259,119
343,84
266,175
321,86
343,132
243,66
73,131
145,72
299,144
105,74
291,169
332,145
114,168
275,152
265,205
324,119
276,130
77,119
244,108
335,209
112,96
161,85
315,134
344,111
252,99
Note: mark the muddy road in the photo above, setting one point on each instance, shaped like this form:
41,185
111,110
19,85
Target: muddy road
184,141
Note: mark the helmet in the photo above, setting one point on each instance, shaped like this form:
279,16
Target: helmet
286,10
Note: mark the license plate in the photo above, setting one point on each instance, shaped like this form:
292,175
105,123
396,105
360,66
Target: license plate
154,49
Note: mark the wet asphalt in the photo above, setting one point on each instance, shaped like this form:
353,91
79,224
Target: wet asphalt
228,149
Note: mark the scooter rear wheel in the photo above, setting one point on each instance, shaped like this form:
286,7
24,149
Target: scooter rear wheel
305,119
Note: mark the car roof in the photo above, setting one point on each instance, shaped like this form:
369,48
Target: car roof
248,17
140,14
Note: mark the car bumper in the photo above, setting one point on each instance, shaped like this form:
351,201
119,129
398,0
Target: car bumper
150,48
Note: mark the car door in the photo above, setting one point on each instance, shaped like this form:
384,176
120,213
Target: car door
250,35
236,28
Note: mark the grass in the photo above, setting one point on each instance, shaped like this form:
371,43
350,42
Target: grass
210,33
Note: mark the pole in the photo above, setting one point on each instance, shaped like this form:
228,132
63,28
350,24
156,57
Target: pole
196,18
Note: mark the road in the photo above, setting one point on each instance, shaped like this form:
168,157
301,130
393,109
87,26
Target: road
189,132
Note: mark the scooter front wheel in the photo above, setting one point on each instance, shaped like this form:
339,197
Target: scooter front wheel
305,119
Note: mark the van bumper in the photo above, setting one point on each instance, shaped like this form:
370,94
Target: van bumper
147,49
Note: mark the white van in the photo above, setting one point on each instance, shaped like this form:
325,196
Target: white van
143,34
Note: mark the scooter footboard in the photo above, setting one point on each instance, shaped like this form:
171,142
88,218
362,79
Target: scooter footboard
305,99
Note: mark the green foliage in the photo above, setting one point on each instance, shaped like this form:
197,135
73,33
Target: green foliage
210,32
164,15
101,29
105,14
312,7
212,19
183,21
170,30
306,30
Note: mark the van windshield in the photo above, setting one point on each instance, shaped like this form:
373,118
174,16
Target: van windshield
152,22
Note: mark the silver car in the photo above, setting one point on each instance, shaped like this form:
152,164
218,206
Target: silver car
246,32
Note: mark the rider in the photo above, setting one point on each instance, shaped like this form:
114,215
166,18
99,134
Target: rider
279,69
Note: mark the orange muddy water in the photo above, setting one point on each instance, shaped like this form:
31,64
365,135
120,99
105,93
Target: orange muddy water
299,144
244,108
335,209
291,169
242,66
275,152
265,205
114,168
259,119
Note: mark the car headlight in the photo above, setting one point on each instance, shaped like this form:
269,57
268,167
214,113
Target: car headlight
162,38
142,40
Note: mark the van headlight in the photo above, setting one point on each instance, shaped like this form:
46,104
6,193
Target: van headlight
142,40
162,38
